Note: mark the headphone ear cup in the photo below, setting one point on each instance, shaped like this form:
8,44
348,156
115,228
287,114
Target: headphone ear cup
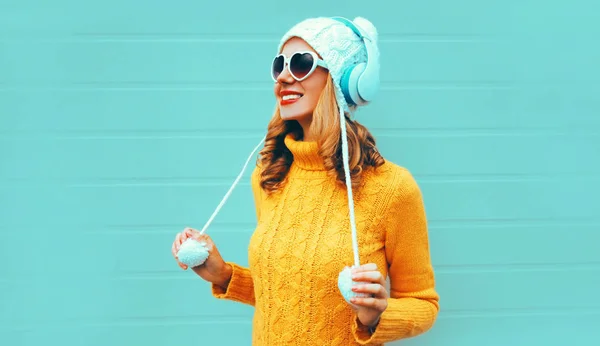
349,84
345,85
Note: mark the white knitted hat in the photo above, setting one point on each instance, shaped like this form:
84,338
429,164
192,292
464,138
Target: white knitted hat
337,44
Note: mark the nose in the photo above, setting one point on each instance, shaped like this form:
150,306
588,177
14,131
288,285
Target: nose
285,76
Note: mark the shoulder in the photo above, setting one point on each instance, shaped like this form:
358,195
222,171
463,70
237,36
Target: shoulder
404,209
255,176
256,171
395,187
398,180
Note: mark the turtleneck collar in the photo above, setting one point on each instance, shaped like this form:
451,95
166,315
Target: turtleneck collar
306,154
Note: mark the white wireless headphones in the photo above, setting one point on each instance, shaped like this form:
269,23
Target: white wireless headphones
360,82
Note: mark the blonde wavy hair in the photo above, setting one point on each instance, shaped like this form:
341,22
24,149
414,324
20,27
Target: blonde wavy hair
275,159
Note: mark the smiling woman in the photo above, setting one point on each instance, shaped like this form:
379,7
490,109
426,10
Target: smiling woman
326,202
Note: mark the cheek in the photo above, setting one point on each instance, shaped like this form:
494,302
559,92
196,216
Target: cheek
312,100
315,94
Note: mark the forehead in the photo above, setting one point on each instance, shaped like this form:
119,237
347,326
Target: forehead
295,44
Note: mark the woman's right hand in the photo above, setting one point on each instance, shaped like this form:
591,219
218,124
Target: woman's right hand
214,269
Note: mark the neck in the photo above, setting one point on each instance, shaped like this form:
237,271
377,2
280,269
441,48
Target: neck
306,134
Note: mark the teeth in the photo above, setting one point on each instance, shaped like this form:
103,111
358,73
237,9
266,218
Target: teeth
291,97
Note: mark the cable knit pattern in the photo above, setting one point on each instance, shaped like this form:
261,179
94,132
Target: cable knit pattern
303,240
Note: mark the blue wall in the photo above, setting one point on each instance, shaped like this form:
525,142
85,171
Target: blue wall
121,122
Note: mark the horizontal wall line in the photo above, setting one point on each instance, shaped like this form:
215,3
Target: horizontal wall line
228,319
26,183
511,222
232,37
244,227
254,86
178,274
518,267
568,311
219,226
250,85
233,134
434,223
215,226
274,38
439,270
267,85
226,40
241,318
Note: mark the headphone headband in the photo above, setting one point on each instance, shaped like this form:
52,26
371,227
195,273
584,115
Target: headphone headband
350,24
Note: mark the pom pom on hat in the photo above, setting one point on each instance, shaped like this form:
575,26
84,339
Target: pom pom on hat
368,27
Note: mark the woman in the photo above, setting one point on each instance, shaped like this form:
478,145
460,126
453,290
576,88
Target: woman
305,209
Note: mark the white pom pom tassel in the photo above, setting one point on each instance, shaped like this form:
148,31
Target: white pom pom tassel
345,284
192,253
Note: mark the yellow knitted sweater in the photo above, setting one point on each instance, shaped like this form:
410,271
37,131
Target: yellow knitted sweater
303,240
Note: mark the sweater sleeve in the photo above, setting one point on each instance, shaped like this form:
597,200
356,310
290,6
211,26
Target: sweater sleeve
414,303
240,288
241,285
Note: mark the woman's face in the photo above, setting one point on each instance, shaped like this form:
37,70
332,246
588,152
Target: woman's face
309,90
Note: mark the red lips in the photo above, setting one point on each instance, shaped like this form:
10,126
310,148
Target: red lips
282,93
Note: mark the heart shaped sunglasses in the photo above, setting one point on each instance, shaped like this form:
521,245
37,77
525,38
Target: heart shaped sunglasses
300,65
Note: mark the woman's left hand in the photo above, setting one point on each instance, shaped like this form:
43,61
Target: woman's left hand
370,281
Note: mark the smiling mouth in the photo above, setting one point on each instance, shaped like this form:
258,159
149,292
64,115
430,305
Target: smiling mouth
291,96
289,99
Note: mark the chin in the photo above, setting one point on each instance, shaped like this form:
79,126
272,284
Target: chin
294,116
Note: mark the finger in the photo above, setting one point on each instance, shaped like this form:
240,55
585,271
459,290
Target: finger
371,276
191,231
174,251
195,235
372,303
179,239
203,238
200,237
375,289
365,268
181,265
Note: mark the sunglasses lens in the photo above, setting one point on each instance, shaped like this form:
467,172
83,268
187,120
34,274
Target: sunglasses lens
277,67
301,65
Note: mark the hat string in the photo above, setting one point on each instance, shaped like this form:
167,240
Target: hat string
237,180
346,159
